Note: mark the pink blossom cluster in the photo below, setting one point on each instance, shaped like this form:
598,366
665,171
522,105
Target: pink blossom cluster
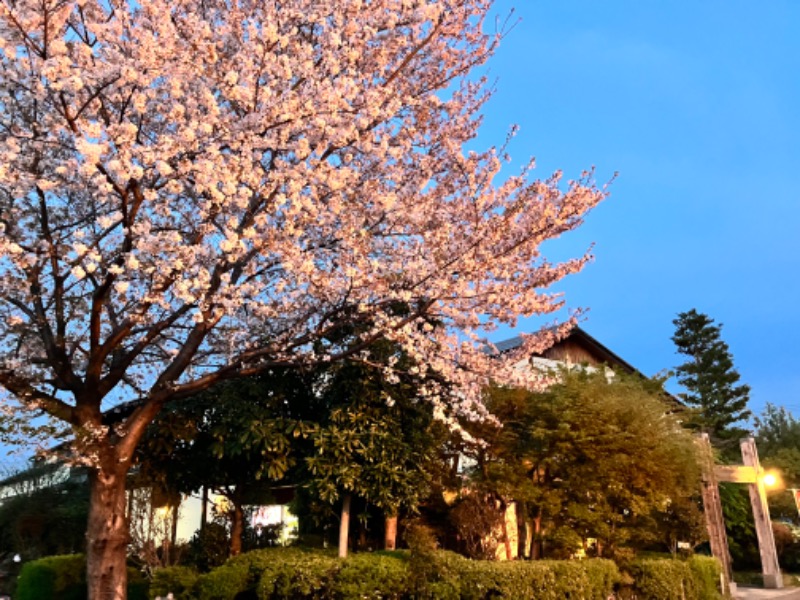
191,191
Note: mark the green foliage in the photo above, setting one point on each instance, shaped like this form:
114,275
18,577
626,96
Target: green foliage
710,380
299,574
590,457
64,578
233,438
375,440
46,517
705,574
209,546
180,581
740,526
591,579
55,577
661,579
266,572
225,582
372,576
778,440
664,579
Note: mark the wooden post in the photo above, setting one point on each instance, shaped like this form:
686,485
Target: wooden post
712,507
758,498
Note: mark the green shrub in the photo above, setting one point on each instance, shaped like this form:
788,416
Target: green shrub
666,579
56,577
180,581
438,575
539,580
293,573
64,578
656,579
371,576
279,574
138,586
603,577
706,571
225,582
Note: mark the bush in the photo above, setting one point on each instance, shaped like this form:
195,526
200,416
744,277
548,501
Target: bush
297,574
64,578
225,582
57,577
706,571
209,547
656,579
372,576
592,579
672,579
179,581
283,573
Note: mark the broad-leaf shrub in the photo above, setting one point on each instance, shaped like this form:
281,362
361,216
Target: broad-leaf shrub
178,581
64,578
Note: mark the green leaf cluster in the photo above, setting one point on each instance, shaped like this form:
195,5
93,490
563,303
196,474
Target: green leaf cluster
709,377
594,456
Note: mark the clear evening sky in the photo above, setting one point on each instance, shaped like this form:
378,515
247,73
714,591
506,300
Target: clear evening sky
697,106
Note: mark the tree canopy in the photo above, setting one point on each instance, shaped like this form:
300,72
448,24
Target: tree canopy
709,377
594,457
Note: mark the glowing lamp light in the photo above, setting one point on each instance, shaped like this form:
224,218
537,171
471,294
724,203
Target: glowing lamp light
770,480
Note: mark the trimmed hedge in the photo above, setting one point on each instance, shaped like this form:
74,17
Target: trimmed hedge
672,579
294,571
180,581
64,578
706,571
283,573
371,576
276,574
58,577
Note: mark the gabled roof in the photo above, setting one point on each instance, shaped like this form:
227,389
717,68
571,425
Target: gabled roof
576,337
580,347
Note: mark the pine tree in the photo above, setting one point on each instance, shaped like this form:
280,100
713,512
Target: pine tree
711,382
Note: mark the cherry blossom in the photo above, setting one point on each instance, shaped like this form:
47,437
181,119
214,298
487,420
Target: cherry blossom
192,191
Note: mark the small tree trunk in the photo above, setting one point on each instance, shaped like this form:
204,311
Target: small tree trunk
107,533
204,509
237,527
174,533
537,553
390,532
344,526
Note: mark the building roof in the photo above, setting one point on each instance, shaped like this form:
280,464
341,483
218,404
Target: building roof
577,336
579,347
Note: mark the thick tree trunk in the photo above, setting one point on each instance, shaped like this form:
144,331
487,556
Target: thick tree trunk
107,534
237,528
344,526
390,532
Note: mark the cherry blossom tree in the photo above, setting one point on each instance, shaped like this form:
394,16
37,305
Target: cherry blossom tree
196,190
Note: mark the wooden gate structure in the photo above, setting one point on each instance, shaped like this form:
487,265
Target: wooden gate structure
750,473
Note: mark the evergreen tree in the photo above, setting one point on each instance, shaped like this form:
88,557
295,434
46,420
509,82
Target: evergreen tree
711,382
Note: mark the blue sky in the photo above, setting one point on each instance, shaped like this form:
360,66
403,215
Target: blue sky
697,107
